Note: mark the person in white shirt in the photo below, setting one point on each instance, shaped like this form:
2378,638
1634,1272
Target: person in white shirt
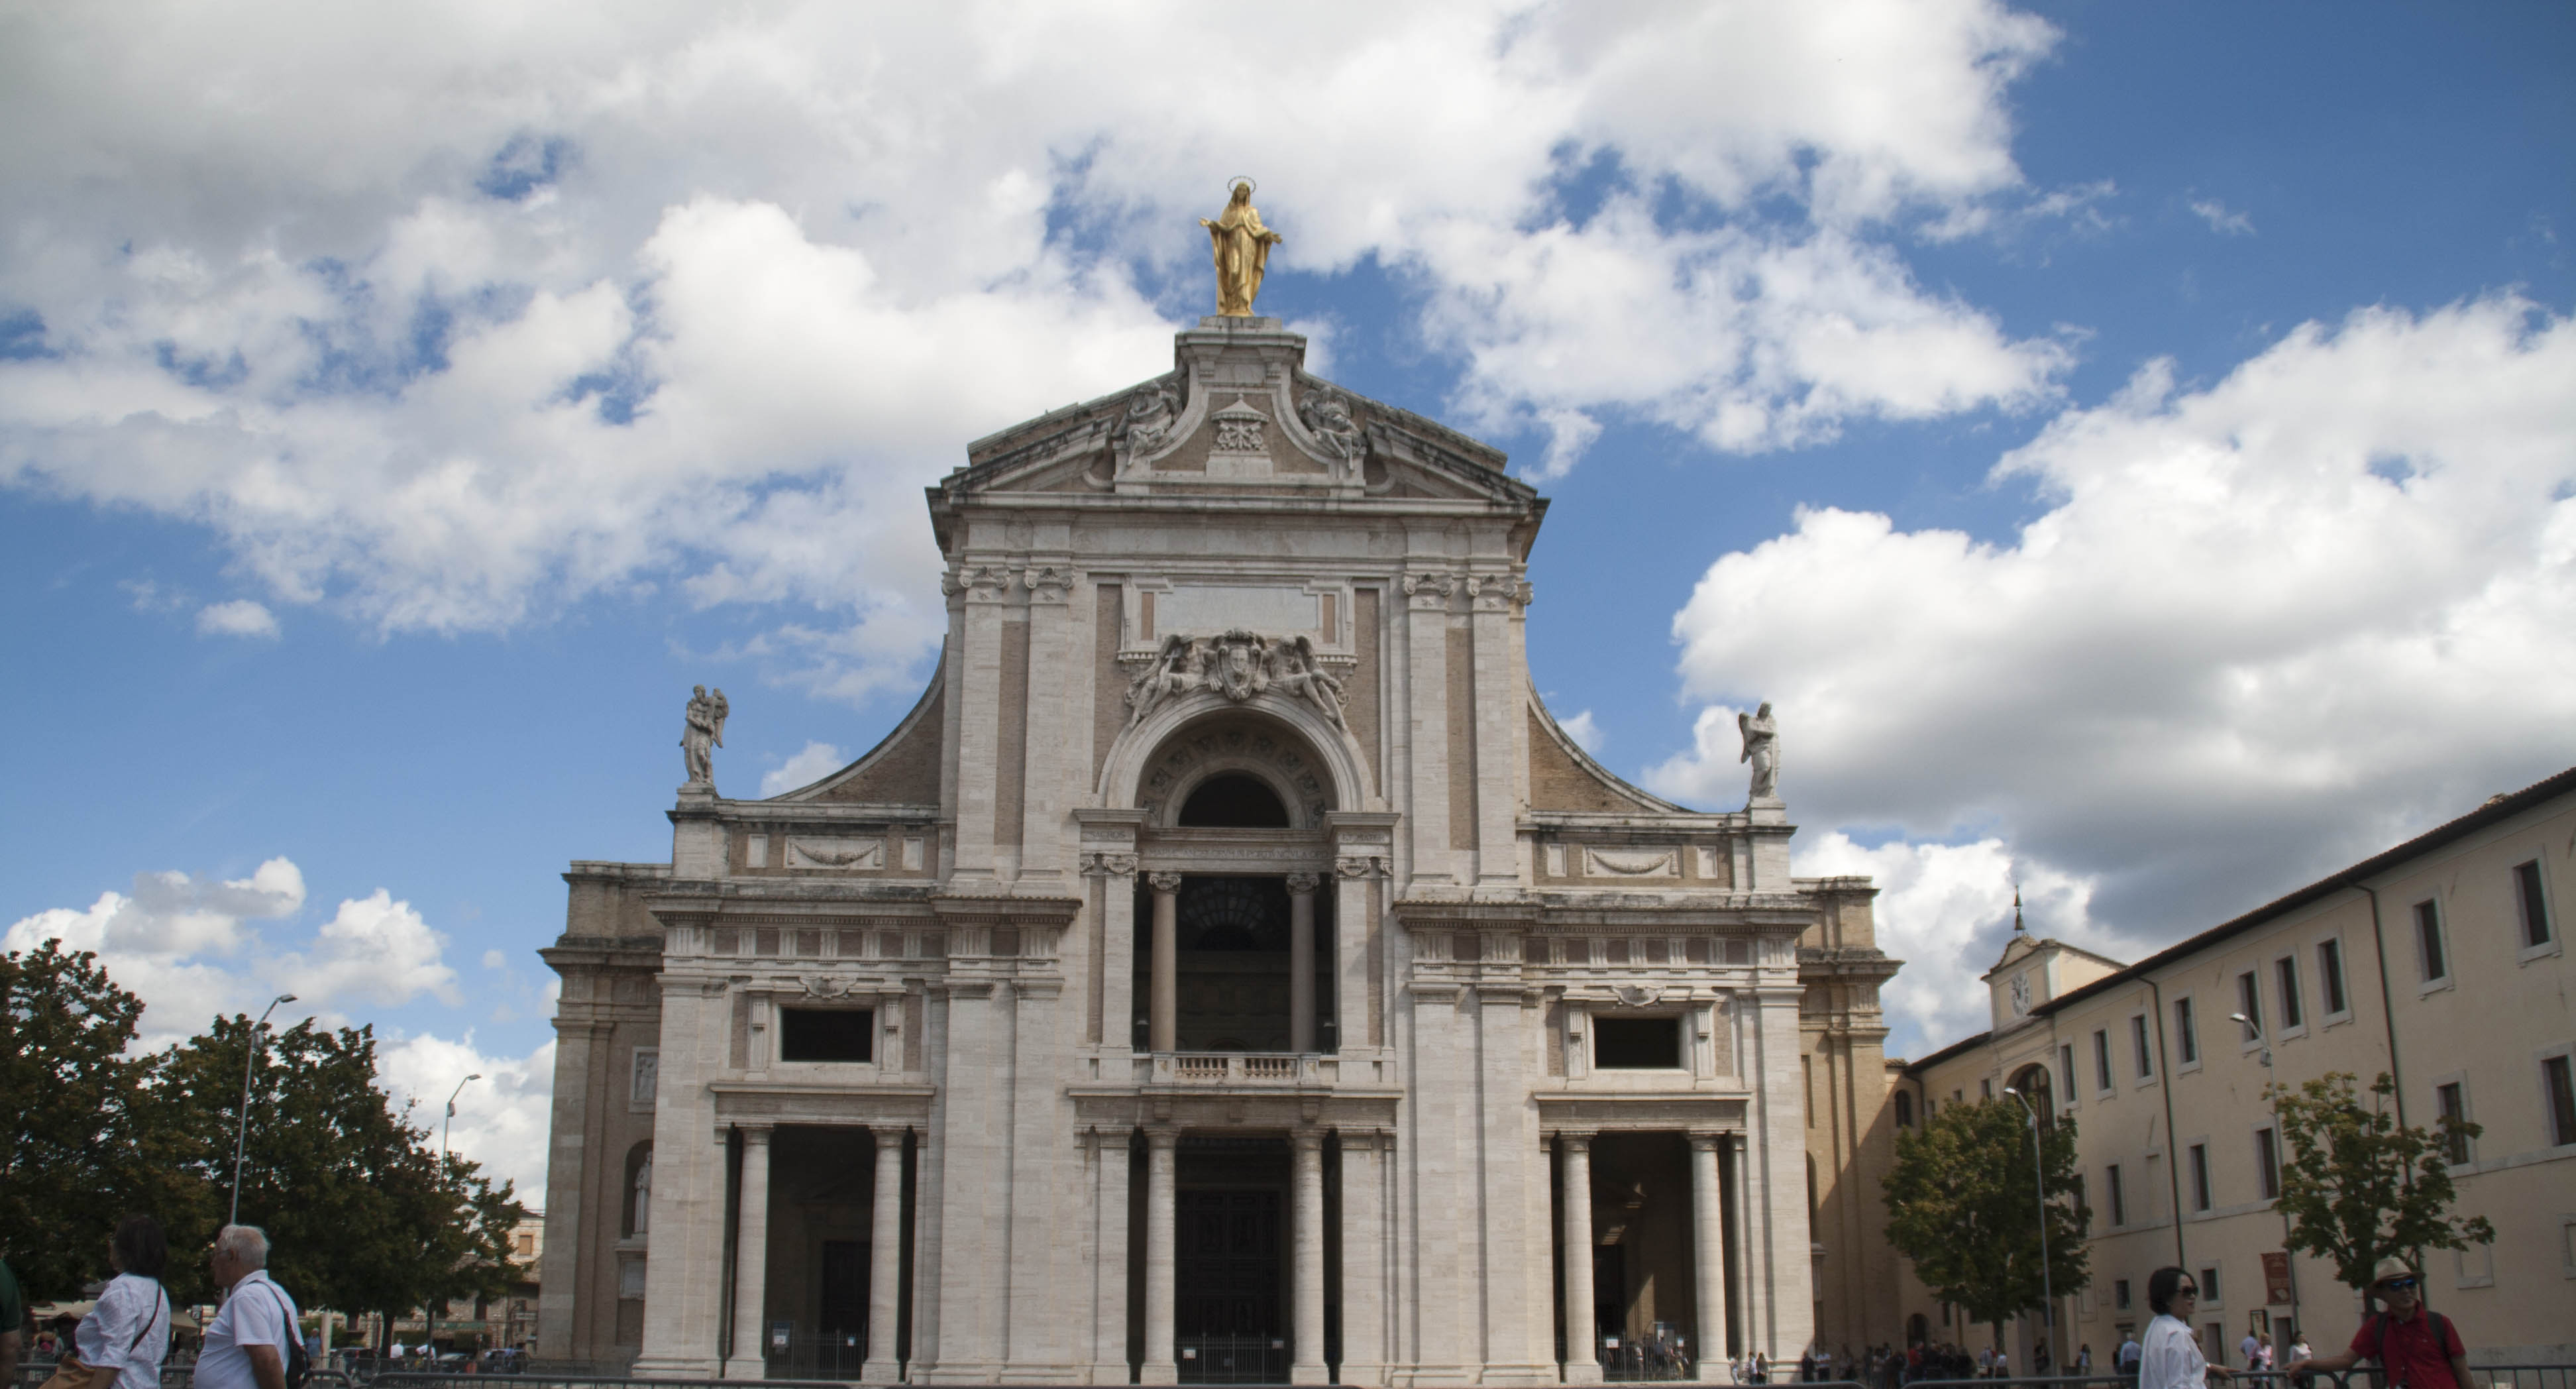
129,1330
2254,1351
246,1343
2171,1358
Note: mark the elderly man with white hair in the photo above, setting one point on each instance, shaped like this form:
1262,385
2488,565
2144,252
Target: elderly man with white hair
246,1344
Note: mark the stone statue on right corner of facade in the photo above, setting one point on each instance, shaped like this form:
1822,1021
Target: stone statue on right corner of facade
1761,748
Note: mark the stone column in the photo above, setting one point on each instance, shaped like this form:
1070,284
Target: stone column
1582,1356
1109,1277
1708,1251
1160,1172
1165,1028
751,1257
1739,1285
1301,962
885,1261
1307,1300
1364,1252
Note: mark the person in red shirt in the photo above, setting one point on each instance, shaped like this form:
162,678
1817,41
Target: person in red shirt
2416,1348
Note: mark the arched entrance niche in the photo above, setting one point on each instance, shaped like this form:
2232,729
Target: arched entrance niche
2032,1084
1190,736
1235,955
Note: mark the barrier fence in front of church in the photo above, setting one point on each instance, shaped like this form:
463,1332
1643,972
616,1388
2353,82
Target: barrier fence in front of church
1266,1364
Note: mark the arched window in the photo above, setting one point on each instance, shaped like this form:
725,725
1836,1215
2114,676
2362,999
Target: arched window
1234,800
2032,1082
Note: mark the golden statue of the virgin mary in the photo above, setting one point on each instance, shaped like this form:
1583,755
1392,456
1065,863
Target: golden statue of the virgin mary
1242,248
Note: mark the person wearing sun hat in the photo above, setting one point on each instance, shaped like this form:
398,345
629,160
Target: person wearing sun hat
2416,1347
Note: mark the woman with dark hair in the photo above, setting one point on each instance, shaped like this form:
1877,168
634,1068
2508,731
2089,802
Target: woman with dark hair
129,1330
2172,1358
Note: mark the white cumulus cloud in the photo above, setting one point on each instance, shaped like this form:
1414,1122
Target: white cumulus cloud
2263,627
192,949
2220,219
241,617
501,1119
811,764
1946,911
466,317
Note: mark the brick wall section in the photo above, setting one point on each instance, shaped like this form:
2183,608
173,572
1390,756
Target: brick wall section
905,771
1362,692
1558,782
1462,738
1109,706
1011,740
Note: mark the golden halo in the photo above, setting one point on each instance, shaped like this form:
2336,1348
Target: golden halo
1241,178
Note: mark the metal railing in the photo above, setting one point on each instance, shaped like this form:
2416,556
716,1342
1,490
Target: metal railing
1232,1359
2481,1377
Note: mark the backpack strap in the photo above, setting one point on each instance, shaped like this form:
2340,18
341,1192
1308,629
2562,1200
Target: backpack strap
161,1300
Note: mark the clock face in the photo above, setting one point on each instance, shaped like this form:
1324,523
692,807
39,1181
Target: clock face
2021,993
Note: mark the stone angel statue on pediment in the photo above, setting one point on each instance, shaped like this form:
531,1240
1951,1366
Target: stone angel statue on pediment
1761,734
703,731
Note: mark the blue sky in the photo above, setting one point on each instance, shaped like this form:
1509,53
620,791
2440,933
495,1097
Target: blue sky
2133,445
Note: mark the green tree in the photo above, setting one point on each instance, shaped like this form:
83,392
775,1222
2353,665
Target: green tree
1963,1205
76,1134
361,1212
2360,1186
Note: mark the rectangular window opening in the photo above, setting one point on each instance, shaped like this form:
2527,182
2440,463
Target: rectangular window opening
825,1034
2209,1287
2120,1294
2119,1214
2249,1001
2285,974
2186,1036
1637,1044
2555,1074
2330,976
2101,1060
2455,1107
2146,1050
2535,907
2066,1069
2428,943
2200,1182
2267,1162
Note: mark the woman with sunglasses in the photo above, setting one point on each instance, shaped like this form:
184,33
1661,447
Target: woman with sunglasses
2172,1358
2417,1348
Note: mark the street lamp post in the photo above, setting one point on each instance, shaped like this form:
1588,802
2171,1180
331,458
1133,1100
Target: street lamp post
2280,1146
451,1111
2039,1184
241,1132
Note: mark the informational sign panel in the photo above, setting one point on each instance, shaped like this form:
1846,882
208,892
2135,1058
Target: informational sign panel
2276,1278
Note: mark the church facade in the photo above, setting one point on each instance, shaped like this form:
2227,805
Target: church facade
1228,971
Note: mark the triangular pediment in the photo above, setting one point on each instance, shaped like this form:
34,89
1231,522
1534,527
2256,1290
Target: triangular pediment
1238,417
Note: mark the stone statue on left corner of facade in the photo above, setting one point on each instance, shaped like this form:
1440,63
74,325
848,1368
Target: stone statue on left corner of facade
1242,249
1761,735
704,731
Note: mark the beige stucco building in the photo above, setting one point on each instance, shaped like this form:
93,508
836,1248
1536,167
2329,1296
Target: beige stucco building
1228,966
2441,961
